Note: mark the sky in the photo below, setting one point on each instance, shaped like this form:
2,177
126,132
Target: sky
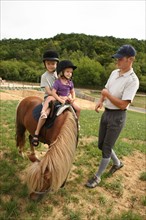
45,19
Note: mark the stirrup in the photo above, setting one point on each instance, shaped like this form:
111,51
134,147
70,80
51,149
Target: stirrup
35,140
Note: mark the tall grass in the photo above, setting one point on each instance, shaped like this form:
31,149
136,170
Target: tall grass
73,202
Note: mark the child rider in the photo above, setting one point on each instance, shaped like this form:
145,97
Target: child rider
50,59
63,88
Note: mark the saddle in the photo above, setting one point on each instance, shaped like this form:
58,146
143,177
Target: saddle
56,109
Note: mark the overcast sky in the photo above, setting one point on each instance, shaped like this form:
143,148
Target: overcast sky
45,19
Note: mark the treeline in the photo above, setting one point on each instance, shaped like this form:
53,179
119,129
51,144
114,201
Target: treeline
21,60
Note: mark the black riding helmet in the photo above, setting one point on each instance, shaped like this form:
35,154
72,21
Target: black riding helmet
50,55
65,64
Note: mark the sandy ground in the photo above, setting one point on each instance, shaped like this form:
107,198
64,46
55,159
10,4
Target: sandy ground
134,188
20,94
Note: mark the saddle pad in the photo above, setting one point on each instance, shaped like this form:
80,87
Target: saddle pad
49,121
36,112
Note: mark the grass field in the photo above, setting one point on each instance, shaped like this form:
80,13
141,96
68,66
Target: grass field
112,200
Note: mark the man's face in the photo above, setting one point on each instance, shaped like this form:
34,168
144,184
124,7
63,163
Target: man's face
123,63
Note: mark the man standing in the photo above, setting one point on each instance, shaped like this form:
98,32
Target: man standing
118,93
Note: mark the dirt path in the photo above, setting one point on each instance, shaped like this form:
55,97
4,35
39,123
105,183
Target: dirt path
20,94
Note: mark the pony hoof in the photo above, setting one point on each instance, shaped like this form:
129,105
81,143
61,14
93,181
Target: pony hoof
33,158
22,154
35,197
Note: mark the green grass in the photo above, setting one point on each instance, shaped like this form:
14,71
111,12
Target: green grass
139,101
143,200
102,200
74,202
116,187
127,216
143,176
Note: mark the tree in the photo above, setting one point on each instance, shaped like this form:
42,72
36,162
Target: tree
88,72
22,59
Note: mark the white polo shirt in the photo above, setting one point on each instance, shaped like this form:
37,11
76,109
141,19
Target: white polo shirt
123,87
47,80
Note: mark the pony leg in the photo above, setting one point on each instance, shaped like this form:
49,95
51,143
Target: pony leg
64,181
20,137
32,156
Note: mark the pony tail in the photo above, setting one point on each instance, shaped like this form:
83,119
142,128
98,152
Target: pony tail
20,132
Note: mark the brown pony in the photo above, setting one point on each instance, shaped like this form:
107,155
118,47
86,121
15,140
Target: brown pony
51,172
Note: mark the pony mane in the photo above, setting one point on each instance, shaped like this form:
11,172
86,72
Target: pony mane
53,169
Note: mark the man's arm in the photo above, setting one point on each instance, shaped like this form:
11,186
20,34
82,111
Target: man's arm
122,104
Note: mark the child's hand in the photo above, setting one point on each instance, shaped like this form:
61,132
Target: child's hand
62,101
71,100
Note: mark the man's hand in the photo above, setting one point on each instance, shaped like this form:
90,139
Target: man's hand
98,106
62,101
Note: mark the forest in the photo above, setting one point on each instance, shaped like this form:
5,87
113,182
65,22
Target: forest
21,60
